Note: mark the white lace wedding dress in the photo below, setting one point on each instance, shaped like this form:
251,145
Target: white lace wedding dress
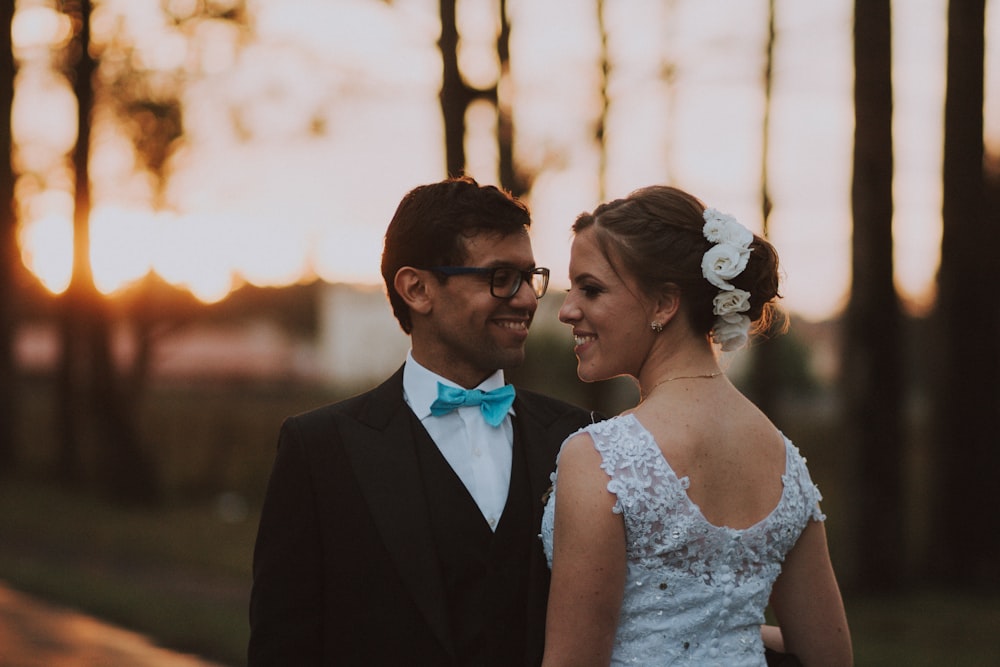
695,593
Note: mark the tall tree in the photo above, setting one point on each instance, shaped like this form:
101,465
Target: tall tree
764,381
967,525
8,245
70,407
601,123
98,394
147,104
88,383
457,96
511,178
872,370
600,395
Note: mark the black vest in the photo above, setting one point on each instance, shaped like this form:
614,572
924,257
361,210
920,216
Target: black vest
486,574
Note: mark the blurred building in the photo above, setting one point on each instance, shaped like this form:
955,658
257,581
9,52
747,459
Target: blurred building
358,340
318,333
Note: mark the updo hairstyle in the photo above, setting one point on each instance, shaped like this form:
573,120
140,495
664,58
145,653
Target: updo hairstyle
655,235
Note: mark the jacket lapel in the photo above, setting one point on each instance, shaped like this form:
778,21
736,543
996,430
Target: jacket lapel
541,440
380,445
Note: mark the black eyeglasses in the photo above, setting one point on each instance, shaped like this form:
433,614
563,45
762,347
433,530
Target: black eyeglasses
504,280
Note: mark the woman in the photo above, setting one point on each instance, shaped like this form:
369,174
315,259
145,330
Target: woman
671,527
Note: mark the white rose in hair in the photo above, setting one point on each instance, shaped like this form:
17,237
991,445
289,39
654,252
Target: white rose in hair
731,331
724,228
723,262
715,224
733,301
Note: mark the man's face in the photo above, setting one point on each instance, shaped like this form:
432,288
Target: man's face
470,333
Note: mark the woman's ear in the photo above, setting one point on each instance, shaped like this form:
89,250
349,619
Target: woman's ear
667,304
413,287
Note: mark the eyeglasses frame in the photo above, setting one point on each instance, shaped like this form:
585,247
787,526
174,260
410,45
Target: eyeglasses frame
523,276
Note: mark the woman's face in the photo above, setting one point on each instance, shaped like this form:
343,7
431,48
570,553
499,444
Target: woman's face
608,313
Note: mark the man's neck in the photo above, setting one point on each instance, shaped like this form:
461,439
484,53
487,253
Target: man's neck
467,380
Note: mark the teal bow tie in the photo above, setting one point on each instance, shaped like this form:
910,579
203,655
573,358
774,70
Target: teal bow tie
493,404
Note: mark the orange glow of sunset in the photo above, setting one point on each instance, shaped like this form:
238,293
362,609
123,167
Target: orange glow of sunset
299,145
127,245
47,250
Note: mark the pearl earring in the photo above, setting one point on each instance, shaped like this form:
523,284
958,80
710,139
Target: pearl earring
657,327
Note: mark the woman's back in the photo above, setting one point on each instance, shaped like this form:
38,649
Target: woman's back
695,590
731,453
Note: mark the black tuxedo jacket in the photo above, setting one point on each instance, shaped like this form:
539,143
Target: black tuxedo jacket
345,568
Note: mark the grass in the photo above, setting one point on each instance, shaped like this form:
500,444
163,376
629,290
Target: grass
925,628
196,567
180,575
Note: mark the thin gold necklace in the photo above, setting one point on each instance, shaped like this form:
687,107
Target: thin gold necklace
703,376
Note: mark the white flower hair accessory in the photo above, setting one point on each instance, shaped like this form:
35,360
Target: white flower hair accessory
725,260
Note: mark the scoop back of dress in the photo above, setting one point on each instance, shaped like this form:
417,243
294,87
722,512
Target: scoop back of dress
695,593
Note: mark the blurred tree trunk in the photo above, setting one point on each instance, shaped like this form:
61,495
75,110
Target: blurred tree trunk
601,124
872,369
765,377
966,528
511,178
456,96
74,321
600,396
88,378
9,257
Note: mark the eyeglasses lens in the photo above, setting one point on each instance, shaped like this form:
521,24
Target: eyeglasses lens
506,282
539,282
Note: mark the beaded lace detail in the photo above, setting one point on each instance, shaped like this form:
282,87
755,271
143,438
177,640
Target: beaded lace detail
695,593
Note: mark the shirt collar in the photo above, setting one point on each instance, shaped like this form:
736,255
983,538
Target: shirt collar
420,385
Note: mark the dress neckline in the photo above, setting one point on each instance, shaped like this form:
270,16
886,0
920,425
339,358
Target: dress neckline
684,482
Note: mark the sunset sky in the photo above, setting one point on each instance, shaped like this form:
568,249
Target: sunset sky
279,204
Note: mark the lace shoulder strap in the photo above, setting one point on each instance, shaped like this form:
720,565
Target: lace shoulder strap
797,477
629,457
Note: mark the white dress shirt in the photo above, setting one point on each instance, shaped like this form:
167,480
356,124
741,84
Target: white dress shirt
479,454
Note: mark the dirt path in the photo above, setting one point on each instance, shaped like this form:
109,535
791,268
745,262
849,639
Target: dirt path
34,633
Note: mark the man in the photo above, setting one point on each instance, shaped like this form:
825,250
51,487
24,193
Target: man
398,529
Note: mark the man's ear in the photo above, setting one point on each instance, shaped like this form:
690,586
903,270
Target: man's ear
412,285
